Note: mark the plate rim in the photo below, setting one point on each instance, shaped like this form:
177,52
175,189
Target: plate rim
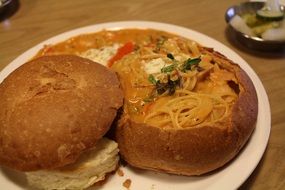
263,103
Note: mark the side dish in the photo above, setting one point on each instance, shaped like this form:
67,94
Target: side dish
267,23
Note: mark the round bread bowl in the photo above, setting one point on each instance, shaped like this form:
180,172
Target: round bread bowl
192,150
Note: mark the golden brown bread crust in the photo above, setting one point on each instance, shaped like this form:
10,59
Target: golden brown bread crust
193,150
53,108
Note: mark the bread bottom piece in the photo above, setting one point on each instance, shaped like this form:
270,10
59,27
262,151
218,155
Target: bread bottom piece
91,167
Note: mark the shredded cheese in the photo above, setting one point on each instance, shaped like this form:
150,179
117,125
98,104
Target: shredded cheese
154,66
102,55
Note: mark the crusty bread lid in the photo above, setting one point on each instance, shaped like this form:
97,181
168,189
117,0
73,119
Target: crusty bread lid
53,108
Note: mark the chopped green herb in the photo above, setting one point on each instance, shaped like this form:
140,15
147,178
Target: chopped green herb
173,78
170,56
189,63
169,68
151,79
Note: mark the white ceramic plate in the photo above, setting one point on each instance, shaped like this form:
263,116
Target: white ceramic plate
229,177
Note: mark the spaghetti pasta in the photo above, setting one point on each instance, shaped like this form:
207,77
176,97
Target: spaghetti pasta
188,109
200,98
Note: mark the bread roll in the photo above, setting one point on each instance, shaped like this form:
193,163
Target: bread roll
53,109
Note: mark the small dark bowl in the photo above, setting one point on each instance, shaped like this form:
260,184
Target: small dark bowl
252,42
4,4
